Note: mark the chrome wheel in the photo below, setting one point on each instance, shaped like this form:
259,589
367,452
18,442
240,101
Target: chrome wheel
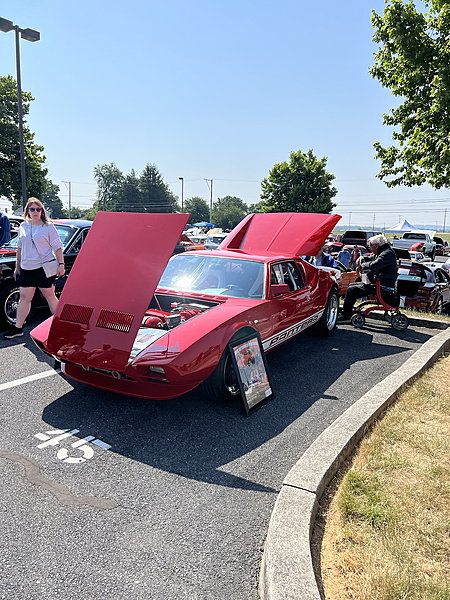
10,305
332,314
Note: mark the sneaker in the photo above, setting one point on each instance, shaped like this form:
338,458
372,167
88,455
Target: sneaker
13,332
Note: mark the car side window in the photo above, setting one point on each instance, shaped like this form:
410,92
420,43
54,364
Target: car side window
295,276
79,241
441,276
286,273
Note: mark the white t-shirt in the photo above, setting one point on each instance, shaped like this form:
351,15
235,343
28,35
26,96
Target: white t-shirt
38,244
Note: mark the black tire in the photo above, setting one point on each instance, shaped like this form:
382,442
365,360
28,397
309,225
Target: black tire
358,320
439,308
399,322
432,254
9,298
223,383
327,322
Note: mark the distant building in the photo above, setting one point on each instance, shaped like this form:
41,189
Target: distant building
6,206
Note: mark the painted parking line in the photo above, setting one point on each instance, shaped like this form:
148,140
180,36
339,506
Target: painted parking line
23,380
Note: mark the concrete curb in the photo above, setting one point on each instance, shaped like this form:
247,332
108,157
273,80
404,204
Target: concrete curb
287,571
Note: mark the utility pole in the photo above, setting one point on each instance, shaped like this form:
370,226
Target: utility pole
182,192
70,195
211,200
445,218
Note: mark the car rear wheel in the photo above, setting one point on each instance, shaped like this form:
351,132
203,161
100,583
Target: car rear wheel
327,322
9,299
439,308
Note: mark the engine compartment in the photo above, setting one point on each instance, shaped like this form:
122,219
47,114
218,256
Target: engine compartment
167,311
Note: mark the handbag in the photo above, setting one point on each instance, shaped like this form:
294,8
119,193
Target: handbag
50,267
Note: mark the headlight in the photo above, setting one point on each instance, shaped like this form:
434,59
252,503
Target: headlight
159,370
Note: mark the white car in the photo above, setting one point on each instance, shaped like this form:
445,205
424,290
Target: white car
419,256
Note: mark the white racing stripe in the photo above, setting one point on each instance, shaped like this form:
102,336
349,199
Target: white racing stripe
23,380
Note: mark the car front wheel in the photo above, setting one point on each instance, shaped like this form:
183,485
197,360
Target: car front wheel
223,382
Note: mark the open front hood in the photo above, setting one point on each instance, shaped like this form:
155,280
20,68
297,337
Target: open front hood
288,234
110,287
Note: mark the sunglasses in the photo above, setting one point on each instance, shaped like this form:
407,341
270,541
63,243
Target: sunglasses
35,209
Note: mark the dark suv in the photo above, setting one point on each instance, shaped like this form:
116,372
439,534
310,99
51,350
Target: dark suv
357,237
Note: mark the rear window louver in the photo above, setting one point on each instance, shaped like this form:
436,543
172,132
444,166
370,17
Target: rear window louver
76,314
118,321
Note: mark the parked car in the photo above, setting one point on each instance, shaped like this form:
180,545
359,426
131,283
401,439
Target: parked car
196,242
418,257
167,327
15,223
357,237
409,238
213,241
334,248
424,286
72,234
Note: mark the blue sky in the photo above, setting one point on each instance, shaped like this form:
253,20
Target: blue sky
211,90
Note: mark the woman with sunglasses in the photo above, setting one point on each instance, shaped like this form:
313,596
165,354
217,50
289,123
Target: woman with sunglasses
38,243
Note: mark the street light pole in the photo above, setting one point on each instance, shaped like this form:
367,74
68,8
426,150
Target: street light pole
31,36
182,192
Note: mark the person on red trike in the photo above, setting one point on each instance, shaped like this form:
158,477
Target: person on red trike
382,264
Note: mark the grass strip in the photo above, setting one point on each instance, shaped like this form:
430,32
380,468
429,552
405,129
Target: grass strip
383,527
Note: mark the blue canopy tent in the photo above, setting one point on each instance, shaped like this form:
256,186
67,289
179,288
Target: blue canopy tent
203,224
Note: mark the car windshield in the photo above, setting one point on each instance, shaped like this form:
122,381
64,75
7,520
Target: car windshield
214,275
65,235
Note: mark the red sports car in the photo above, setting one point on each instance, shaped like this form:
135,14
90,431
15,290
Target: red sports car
139,324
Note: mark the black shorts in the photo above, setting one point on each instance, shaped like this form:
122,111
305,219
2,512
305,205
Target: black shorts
35,278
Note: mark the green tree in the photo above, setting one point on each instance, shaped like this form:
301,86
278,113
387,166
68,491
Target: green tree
156,195
10,173
228,211
198,208
258,207
109,184
78,213
129,198
51,200
413,62
301,185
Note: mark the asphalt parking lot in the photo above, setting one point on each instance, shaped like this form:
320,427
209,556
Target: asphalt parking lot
106,496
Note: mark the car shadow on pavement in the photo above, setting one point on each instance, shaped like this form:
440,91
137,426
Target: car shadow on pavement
199,439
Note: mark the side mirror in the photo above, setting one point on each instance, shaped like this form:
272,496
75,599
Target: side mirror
279,289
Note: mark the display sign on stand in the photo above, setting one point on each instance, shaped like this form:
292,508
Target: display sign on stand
250,364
